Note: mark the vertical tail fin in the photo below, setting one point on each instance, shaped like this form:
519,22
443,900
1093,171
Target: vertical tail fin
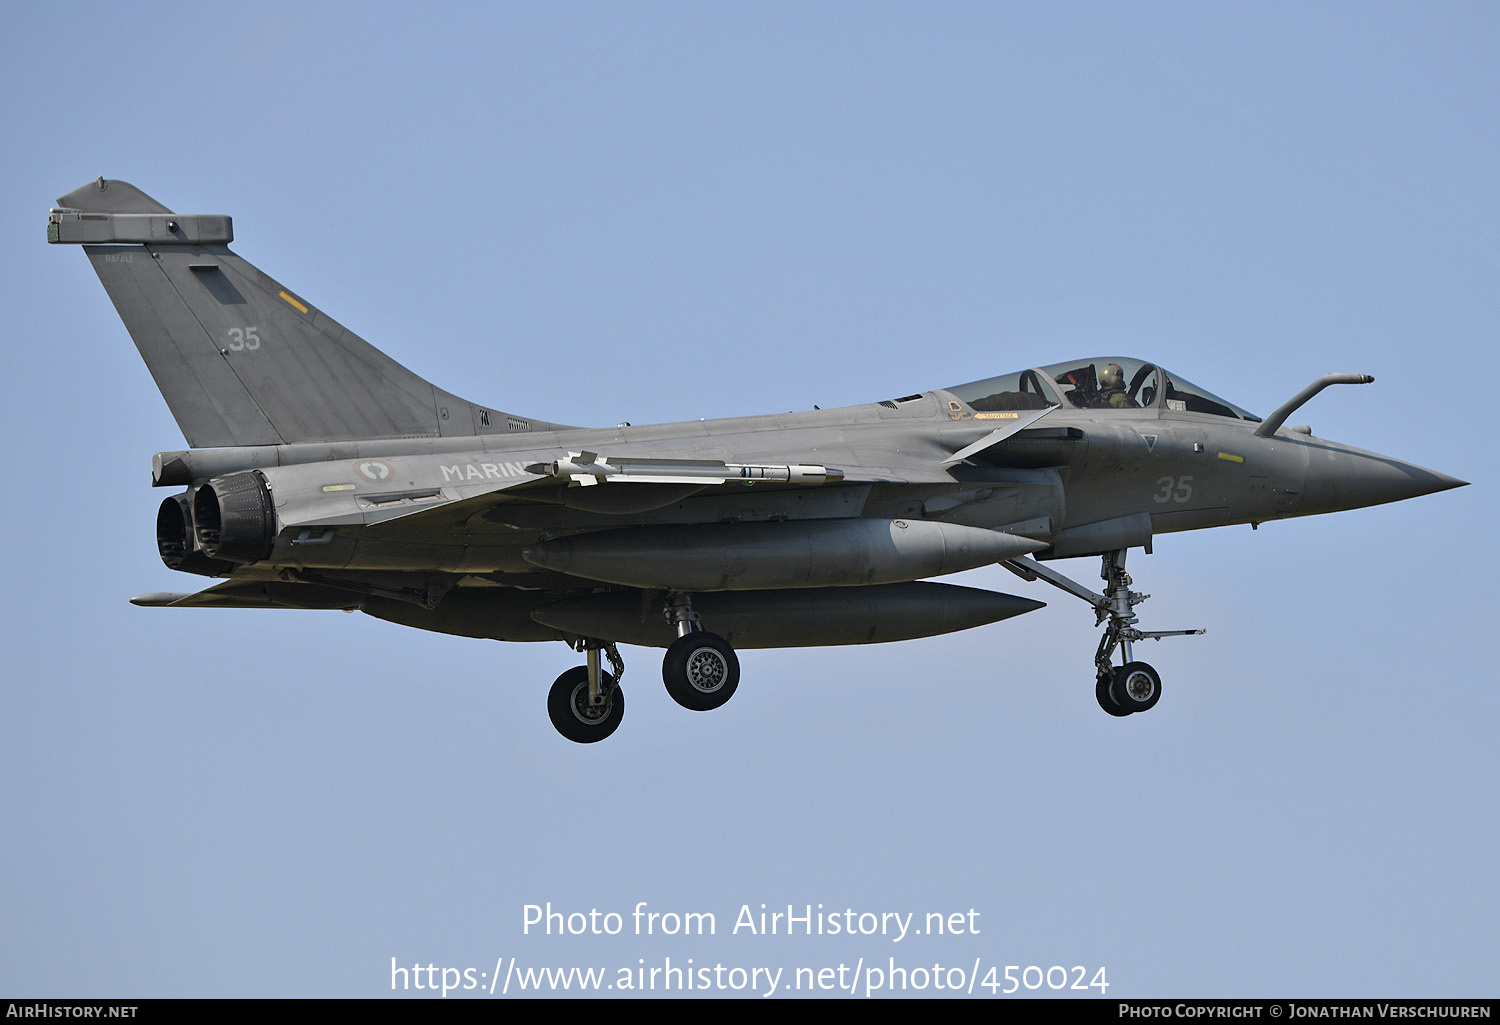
240,359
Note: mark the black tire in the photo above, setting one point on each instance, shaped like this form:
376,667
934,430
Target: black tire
1136,687
1101,695
568,707
701,671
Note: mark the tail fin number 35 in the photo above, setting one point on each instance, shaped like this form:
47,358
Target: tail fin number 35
244,339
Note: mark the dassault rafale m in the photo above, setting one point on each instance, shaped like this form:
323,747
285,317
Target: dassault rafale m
321,474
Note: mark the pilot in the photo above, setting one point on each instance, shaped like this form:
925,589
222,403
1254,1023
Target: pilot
1112,389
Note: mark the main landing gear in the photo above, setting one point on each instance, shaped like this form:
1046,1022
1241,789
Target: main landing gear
701,672
1131,686
585,703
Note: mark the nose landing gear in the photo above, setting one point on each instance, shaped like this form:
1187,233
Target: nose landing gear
1132,686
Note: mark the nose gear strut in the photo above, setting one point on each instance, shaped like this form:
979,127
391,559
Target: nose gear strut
1132,686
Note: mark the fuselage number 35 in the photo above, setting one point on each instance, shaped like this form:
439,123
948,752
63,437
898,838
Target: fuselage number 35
1173,489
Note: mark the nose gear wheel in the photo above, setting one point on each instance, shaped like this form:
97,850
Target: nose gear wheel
1134,687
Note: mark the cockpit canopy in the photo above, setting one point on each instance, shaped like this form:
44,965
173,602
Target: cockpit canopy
1105,383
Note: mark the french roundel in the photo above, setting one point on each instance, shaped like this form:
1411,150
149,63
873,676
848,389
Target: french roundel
374,469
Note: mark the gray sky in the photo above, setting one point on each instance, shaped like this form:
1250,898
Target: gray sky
593,213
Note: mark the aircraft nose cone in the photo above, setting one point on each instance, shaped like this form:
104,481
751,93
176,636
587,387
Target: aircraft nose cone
1444,482
1354,479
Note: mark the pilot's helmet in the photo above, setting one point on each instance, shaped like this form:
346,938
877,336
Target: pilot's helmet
1112,378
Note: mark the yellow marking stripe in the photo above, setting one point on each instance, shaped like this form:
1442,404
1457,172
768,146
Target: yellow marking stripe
338,487
1231,457
289,299
997,416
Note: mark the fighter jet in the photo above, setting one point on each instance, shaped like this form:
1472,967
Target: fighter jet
321,474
